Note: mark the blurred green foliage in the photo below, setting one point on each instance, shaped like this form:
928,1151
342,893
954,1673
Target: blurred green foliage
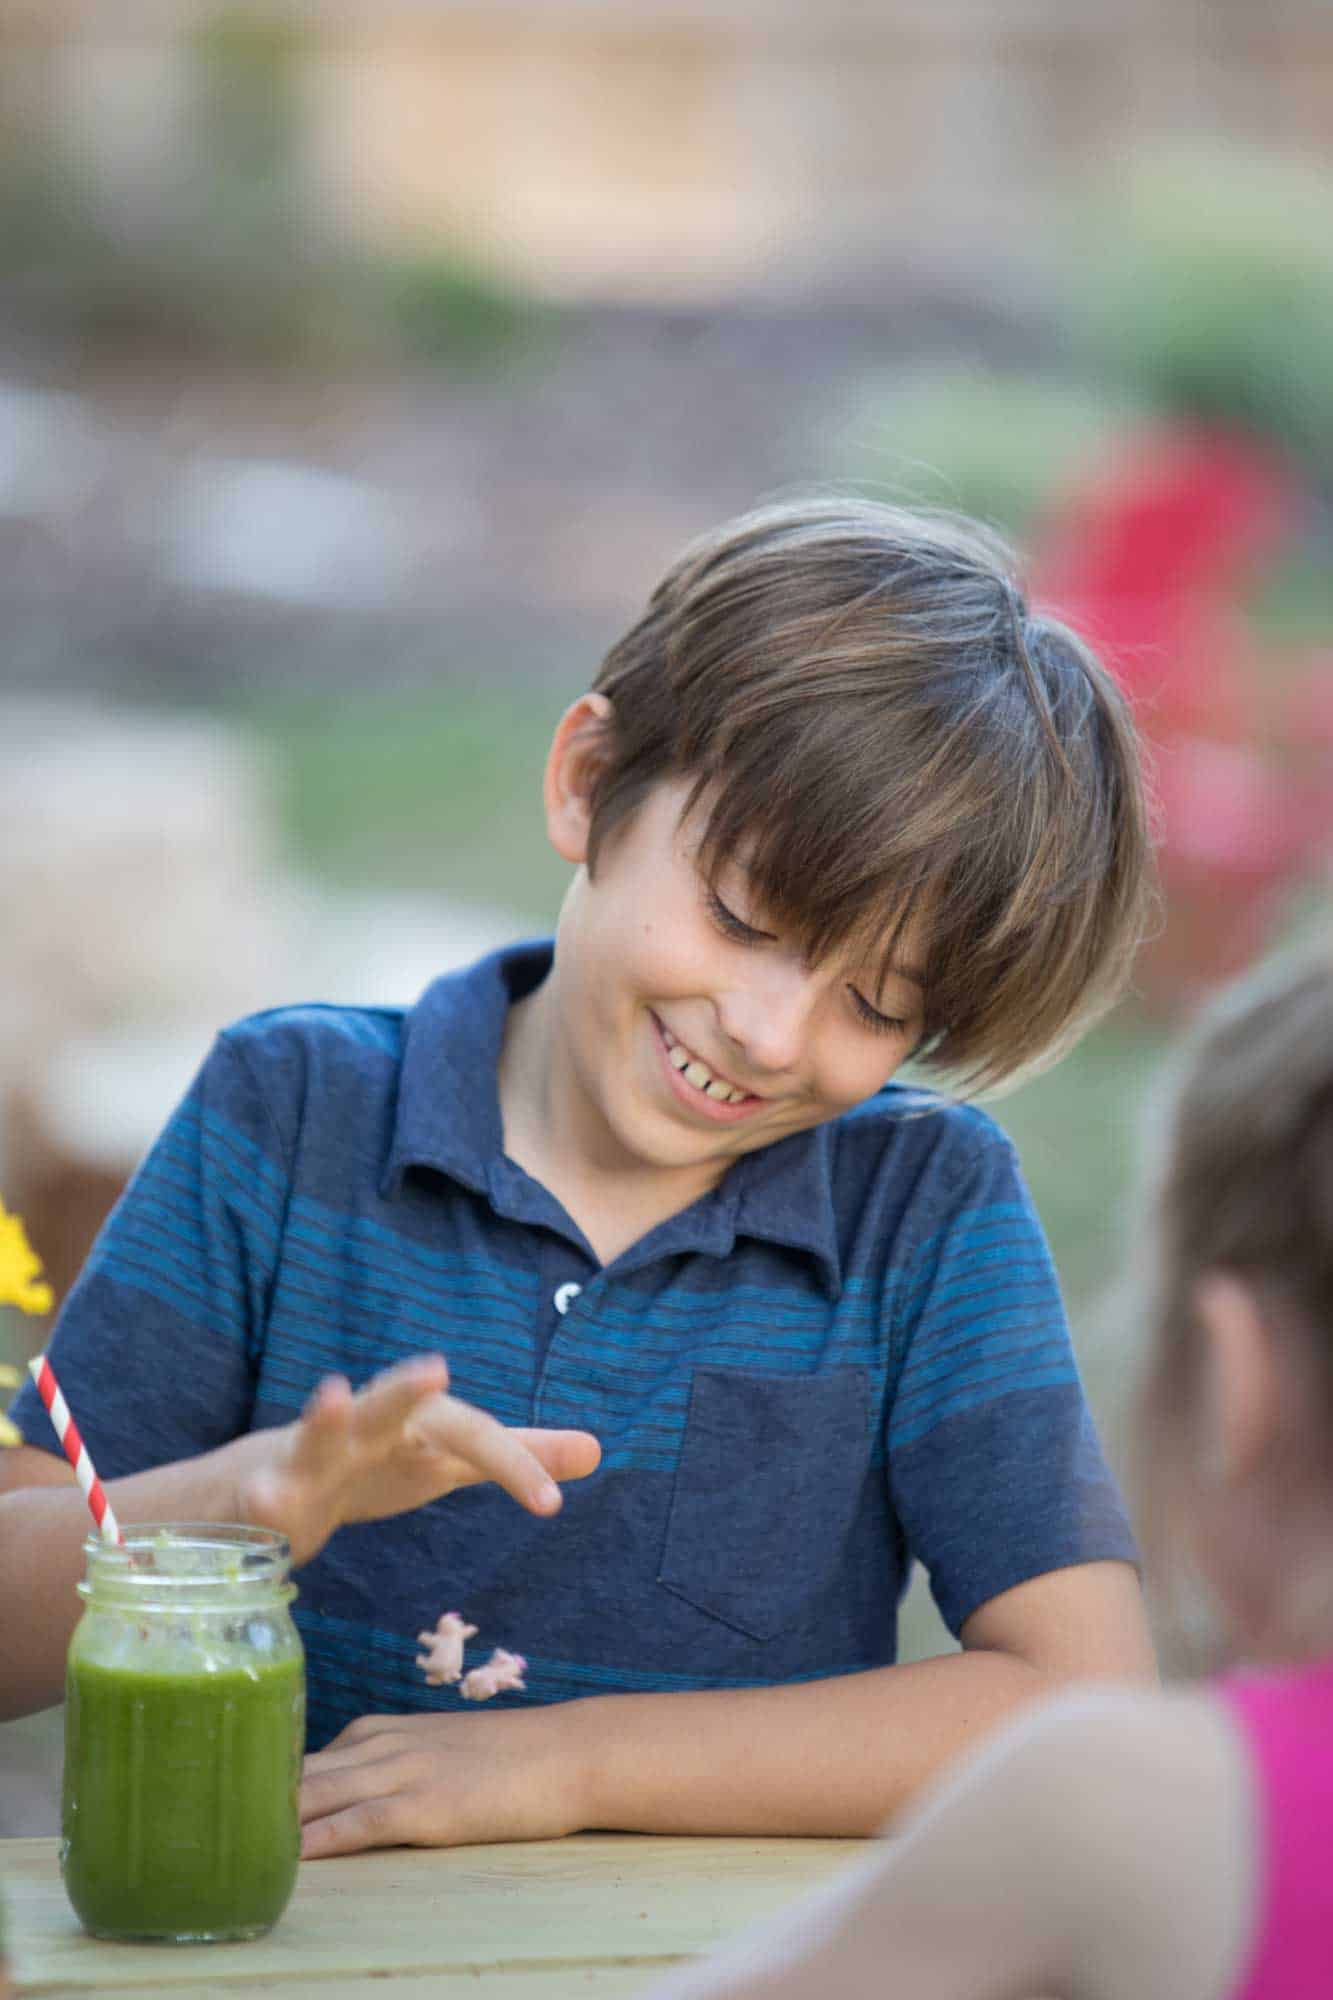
435,789
223,262
247,67
456,309
1078,1130
1197,282
1211,288
1293,603
994,446
232,259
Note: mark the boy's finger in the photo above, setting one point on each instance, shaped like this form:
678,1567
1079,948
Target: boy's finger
329,1394
322,1424
565,1454
373,1823
484,1449
336,1779
335,1419
387,1401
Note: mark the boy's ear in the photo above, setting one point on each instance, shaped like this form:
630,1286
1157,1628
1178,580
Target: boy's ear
1242,1392
577,754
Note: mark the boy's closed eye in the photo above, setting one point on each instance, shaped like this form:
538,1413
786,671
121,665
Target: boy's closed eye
735,927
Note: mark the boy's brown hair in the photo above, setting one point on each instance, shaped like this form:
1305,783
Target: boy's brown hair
877,724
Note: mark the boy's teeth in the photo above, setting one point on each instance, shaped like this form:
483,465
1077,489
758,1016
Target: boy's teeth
701,1076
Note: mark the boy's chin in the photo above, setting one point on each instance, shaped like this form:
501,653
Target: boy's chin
672,1143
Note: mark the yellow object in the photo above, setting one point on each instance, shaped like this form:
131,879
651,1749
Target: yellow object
20,1285
20,1269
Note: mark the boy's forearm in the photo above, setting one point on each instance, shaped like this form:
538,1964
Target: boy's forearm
830,1757
42,1531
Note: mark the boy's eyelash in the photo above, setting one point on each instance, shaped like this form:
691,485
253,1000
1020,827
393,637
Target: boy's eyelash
728,921
880,1024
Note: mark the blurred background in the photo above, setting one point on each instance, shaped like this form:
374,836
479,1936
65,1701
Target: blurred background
362,364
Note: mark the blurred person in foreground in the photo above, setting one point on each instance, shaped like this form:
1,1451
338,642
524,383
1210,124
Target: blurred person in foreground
837,799
1115,1844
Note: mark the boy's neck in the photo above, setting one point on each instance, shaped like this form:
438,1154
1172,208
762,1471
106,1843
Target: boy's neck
556,1136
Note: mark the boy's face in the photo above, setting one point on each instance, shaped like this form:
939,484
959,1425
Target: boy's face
692,1030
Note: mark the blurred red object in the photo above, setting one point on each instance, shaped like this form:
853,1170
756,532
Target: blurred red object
1153,560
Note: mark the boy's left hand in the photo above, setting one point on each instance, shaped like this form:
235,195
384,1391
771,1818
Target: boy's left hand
439,1781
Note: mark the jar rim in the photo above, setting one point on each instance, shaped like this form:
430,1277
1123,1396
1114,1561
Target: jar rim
187,1558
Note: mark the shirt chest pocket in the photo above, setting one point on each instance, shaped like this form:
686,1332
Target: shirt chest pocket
770,1474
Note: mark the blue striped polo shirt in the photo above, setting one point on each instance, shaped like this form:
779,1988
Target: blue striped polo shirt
850,1352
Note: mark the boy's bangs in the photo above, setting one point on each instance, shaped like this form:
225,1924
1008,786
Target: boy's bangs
804,847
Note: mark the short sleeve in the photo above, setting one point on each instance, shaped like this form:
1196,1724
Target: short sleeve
156,1346
994,1465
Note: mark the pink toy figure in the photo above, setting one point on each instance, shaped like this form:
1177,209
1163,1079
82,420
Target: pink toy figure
442,1661
501,1672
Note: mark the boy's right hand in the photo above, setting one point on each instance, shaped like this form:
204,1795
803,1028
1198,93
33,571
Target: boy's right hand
392,1446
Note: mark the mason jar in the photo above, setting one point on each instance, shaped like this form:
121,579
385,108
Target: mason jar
184,1733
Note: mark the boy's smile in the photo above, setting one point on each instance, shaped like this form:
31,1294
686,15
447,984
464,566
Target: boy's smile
700,1087
671,1036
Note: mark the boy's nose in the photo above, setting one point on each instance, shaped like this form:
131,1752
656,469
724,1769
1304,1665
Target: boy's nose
767,1019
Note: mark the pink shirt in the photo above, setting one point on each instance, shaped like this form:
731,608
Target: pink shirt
1286,1720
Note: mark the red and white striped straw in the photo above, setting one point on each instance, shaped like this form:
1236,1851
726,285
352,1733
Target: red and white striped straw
76,1451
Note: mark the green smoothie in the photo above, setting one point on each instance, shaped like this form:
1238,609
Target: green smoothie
179,1816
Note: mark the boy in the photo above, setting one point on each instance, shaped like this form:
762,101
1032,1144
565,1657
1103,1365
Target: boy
835,800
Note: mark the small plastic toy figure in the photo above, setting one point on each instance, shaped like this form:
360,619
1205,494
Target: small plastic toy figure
501,1673
442,1661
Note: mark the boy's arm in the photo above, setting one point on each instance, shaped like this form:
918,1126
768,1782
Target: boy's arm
830,1757
398,1443
835,1757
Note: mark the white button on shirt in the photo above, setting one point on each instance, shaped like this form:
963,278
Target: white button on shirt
565,1297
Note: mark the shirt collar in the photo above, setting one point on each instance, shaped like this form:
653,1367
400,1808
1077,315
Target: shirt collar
448,1114
786,1197
448,1119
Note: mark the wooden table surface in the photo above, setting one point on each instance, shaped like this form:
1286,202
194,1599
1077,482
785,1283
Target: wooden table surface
599,1915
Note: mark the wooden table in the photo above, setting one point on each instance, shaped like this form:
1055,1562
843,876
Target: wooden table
599,1915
